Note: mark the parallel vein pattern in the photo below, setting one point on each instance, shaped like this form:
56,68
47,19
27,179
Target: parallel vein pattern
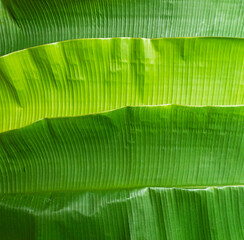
131,147
88,76
148,213
26,23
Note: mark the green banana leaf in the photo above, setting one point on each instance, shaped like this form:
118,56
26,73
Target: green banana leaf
149,213
140,172
169,146
93,75
26,23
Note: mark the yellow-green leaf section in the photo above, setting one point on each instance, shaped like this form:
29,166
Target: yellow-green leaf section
93,75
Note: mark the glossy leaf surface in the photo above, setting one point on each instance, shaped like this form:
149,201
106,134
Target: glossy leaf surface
148,213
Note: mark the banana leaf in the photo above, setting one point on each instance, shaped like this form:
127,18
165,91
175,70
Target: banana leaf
148,213
169,146
88,76
26,23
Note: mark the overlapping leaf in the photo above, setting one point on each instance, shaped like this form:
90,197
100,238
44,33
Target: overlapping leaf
88,76
148,213
141,172
131,147
26,23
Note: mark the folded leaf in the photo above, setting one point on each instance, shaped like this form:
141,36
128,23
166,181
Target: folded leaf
130,147
88,76
148,213
26,23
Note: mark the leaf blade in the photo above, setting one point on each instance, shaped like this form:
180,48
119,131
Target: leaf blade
28,23
158,213
87,76
163,146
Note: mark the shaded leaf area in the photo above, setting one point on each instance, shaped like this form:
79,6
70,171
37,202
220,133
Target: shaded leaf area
89,76
148,213
126,148
26,23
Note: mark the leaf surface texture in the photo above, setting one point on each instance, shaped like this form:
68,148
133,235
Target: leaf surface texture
147,213
27,23
88,76
165,146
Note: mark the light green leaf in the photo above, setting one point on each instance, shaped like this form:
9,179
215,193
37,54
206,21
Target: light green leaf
89,76
130,147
